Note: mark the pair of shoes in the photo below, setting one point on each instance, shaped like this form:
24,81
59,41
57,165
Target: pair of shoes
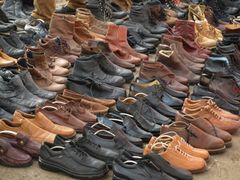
17,149
174,149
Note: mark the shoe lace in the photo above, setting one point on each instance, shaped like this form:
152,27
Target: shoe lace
184,142
210,110
78,151
181,152
145,109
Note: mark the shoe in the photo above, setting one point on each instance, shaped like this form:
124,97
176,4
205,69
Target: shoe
74,95
34,132
14,40
13,9
131,106
6,61
5,115
176,156
74,162
43,122
9,49
12,157
22,142
206,126
94,88
195,136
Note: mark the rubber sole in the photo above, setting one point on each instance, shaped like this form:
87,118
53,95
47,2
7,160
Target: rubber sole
217,151
17,166
57,168
228,144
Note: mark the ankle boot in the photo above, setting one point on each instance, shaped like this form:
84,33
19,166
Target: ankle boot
40,79
123,43
112,38
192,66
101,9
63,26
140,14
57,47
13,9
186,29
81,33
171,39
169,57
36,58
150,70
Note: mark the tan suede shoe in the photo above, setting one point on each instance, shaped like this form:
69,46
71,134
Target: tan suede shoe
43,122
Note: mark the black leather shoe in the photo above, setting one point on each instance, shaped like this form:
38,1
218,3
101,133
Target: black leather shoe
131,105
96,89
88,67
140,170
109,68
6,27
3,16
70,160
157,92
166,167
200,92
127,124
33,88
96,150
113,126
5,115
116,141
14,40
10,50
13,9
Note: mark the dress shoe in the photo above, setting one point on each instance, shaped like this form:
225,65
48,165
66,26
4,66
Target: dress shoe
206,126
94,88
91,106
88,66
212,116
43,122
34,132
131,106
21,141
74,162
95,150
112,141
13,157
78,111
203,102
156,91
200,92
195,136
176,156
74,95
158,70
63,117
143,169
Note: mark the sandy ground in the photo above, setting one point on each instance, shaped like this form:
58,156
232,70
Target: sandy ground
225,166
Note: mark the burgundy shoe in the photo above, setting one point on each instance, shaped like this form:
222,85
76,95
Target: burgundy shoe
21,141
10,156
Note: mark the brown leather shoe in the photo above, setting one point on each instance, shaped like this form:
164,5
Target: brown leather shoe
93,107
206,126
207,112
195,136
56,61
41,121
34,132
61,116
192,104
105,102
76,109
150,70
175,155
169,57
6,60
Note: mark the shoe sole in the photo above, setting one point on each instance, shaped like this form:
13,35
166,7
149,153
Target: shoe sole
17,166
217,151
56,168
228,144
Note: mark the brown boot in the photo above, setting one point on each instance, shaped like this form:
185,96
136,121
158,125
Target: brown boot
63,25
169,57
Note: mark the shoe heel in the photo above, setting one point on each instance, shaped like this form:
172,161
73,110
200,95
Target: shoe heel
47,167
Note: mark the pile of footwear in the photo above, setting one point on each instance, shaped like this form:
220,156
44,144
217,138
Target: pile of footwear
147,88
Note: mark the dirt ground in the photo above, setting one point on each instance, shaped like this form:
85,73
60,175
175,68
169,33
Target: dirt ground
225,166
